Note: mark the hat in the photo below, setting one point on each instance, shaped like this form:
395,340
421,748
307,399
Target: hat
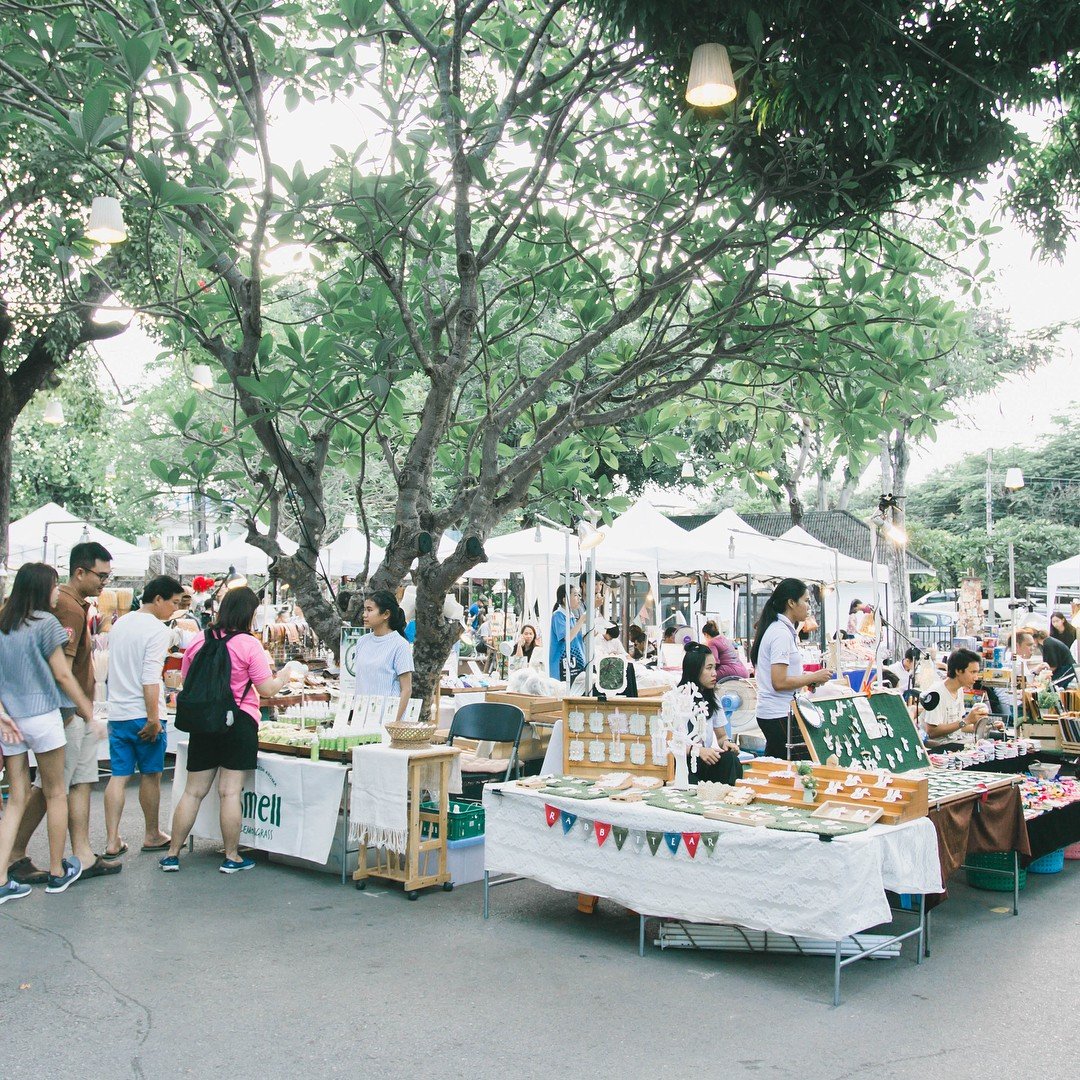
474,609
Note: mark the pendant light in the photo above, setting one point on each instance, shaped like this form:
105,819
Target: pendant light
235,580
711,82
106,221
54,412
202,378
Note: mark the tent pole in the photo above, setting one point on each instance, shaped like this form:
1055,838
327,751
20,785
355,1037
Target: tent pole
749,614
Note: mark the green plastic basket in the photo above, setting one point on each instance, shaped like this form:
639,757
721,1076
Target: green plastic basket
994,860
464,820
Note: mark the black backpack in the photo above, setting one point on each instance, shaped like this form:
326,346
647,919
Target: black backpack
206,705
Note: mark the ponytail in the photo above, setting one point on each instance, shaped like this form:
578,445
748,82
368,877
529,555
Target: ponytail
387,603
790,589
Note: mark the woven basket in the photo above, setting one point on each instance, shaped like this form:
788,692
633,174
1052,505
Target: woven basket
410,736
1053,863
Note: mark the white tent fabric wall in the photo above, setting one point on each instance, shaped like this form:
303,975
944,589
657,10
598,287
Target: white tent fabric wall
1061,576
344,557
238,553
50,532
541,563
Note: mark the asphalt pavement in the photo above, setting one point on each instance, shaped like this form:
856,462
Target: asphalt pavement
280,972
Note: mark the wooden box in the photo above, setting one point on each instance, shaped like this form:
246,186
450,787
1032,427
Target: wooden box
623,709
913,803
545,710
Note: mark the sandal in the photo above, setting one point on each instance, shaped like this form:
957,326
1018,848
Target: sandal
26,873
101,868
108,856
158,847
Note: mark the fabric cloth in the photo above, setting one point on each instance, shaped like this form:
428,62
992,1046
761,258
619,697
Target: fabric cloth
237,748
560,626
727,659
763,879
249,669
27,687
725,771
128,752
779,645
380,662
380,792
1057,655
1054,829
137,646
39,733
80,751
73,613
949,710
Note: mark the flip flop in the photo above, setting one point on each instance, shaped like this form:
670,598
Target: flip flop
157,847
26,873
101,868
108,856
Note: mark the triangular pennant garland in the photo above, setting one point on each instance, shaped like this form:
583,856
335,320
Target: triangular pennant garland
586,830
620,835
655,840
691,840
673,840
603,831
639,840
709,840
552,813
567,821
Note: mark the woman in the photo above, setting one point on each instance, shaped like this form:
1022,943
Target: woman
1062,629
33,672
728,664
639,643
526,642
718,759
777,663
384,662
854,618
227,756
565,637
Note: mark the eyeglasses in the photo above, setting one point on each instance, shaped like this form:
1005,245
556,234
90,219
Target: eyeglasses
100,576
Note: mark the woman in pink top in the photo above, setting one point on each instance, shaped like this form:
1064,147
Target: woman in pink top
227,756
727,659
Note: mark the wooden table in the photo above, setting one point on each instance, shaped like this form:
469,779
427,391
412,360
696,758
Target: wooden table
406,868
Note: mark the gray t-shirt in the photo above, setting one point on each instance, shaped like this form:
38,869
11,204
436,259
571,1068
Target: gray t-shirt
27,686
380,662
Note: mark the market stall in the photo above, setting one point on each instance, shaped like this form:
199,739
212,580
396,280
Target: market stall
236,554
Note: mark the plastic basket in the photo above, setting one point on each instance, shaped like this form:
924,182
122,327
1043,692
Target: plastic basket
994,860
464,820
1053,863
1072,851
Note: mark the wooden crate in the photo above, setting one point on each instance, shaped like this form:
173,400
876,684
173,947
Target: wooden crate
914,804
648,707
1068,730
543,709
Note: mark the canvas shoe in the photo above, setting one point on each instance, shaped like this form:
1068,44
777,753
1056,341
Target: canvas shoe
170,864
72,873
13,890
234,866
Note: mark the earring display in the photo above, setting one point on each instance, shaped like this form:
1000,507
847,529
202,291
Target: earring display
619,735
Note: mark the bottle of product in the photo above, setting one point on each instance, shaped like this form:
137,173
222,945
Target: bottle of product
315,745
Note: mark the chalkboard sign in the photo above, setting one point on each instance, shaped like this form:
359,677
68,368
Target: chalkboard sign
875,732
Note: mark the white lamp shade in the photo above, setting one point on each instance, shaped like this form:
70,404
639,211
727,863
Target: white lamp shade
350,522
202,378
588,536
711,82
1014,479
54,412
688,470
106,221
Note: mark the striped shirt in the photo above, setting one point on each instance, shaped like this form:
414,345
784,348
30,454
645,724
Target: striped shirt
380,662
27,685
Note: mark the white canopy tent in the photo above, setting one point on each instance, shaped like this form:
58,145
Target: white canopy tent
237,553
344,557
539,555
824,563
49,533
1062,576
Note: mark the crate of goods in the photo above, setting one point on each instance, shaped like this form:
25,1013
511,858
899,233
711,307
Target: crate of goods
980,877
464,860
464,820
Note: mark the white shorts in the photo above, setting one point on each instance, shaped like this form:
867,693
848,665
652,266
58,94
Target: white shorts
39,733
80,753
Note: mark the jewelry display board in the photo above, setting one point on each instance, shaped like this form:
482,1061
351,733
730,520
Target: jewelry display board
874,732
613,735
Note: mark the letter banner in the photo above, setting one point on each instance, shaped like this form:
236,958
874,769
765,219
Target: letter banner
567,821
552,814
691,840
709,840
673,840
603,831
655,840
620,835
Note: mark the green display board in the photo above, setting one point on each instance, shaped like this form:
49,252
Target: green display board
876,732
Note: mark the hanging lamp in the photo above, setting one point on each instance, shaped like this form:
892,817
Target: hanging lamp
106,221
711,82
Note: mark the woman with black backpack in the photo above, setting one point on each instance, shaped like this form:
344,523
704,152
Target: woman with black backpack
233,750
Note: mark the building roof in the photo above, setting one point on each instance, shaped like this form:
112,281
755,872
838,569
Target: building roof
840,529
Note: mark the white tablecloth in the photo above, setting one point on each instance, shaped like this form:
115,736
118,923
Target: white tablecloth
764,879
290,805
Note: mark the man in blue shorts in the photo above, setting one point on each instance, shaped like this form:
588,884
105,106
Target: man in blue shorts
137,646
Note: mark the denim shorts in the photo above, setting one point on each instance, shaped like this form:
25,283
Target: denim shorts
126,749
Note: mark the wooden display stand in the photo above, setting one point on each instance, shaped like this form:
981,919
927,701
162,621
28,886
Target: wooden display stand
1068,725
537,710
913,804
628,707
394,866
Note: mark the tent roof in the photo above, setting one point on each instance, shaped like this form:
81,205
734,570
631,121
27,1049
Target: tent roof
26,541
344,557
237,553
644,539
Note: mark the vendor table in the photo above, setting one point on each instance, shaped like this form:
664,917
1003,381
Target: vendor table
763,879
291,806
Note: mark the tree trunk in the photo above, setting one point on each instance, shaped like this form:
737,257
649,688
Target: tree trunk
795,504
7,425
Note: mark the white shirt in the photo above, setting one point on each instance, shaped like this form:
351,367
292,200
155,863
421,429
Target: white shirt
137,646
779,645
949,710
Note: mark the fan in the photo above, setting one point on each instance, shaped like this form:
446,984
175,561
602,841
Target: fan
738,699
684,637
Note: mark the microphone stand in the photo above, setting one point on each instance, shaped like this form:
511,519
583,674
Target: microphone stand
923,654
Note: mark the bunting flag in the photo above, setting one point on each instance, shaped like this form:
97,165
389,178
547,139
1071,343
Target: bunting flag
639,840
552,813
620,835
709,840
586,830
655,840
567,821
603,831
691,840
673,840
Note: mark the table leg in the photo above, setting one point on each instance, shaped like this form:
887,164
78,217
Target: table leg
922,929
641,936
836,975
444,814
487,890
1016,882
413,843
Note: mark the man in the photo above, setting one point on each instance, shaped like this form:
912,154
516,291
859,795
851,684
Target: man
942,706
1057,657
88,570
137,646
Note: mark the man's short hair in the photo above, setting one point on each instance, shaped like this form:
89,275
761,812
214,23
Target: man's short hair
1023,637
83,556
913,655
1039,634
162,586
961,660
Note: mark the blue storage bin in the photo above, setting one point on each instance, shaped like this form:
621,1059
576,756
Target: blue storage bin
1053,863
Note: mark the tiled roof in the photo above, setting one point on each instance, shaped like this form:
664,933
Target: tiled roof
840,529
